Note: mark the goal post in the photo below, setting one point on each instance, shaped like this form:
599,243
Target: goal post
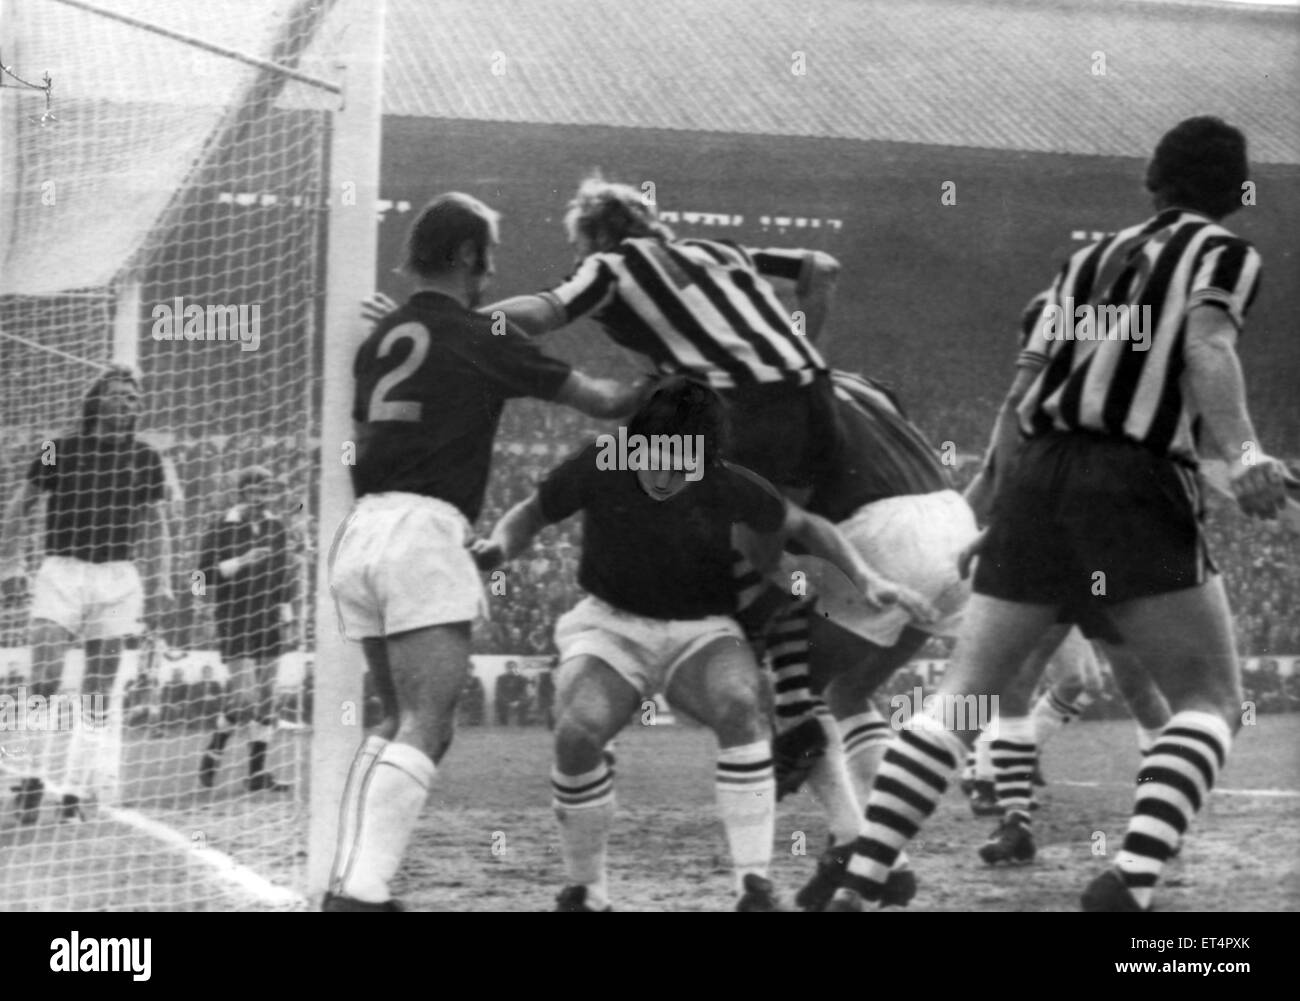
338,709
195,198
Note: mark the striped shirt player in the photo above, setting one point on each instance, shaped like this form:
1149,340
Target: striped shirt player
1129,369
1106,350
708,309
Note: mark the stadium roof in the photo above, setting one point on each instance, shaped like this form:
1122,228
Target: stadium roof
1001,74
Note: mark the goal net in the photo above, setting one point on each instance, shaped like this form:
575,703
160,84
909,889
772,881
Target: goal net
162,207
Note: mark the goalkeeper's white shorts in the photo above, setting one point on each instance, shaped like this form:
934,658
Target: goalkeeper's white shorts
93,601
399,563
646,652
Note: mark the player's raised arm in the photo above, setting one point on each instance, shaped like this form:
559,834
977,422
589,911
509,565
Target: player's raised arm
820,538
607,399
533,314
1218,392
814,273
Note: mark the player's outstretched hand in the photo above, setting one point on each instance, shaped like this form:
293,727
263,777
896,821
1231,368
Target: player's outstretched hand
883,593
1260,488
13,591
487,555
967,556
376,308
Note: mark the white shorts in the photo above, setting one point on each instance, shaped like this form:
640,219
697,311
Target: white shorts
914,540
399,563
646,652
93,601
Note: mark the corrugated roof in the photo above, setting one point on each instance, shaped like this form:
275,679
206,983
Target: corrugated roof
999,74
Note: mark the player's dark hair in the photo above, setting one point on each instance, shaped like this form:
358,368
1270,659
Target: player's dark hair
1200,164
439,230
95,394
685,406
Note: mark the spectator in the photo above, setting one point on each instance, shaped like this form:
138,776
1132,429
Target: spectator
511,694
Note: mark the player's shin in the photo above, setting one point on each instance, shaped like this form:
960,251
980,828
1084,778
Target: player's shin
865,735
788,645
916,770
1014,752
584,808
1174,781
746,791
385,791
832,785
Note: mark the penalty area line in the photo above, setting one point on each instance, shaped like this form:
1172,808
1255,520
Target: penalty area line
1276,793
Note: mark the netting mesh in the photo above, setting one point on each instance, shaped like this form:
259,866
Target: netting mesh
171,217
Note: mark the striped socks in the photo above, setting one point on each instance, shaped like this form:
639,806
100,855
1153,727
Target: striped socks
913,776
787,641
1176,776
1014,752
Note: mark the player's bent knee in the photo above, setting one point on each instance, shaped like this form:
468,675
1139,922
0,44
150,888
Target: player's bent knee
578,739
738,716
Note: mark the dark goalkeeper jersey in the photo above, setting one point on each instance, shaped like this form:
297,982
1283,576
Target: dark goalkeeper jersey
431,381
669,559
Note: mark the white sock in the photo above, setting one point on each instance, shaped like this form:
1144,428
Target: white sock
984,755
746,789
865,737
1051,712
584,807
386,790
831,784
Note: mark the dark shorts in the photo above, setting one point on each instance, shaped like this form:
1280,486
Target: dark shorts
1087,522
254,636
790,435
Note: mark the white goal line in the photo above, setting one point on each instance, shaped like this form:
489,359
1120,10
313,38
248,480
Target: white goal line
225,867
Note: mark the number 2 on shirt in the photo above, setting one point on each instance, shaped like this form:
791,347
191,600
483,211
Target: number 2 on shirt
383,409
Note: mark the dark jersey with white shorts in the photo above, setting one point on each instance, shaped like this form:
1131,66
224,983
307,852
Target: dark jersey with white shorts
96,488
1104,504
669,559
431,381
